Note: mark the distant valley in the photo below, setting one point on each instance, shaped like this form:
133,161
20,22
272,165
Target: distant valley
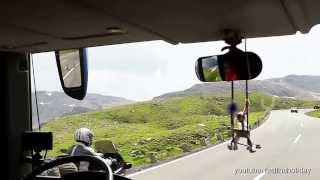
54,104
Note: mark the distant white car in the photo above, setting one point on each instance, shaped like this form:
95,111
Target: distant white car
294,110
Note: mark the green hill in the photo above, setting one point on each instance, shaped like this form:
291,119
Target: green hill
161,129
314,113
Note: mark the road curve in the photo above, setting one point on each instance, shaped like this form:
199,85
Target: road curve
290,150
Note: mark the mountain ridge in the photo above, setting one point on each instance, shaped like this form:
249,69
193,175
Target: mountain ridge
53,104
296,86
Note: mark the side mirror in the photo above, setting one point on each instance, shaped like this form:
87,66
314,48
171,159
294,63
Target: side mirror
73,72
228,67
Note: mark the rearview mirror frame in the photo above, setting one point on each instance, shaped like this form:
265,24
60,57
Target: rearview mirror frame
228,67
81,91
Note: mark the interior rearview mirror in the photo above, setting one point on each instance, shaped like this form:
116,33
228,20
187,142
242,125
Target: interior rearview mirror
243,66
73,72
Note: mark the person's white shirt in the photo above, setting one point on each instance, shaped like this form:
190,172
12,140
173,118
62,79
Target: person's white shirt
81,149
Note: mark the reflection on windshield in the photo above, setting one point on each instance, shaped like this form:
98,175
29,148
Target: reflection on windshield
210,69
70,68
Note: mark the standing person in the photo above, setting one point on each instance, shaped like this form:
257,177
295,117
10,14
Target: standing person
84,138
244,132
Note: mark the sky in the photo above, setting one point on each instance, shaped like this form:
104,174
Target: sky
141,71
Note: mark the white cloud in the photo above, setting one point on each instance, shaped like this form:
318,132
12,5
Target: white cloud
46,72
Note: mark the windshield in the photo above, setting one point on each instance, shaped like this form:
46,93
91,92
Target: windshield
146,104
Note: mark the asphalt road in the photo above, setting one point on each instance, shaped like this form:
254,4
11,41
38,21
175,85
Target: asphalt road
288,141
73,77
71,70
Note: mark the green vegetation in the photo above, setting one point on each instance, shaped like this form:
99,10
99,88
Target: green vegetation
211,74
314,113
161,129
285,103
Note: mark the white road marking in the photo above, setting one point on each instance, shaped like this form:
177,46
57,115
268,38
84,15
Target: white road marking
297,138
72,69
301,124
259,176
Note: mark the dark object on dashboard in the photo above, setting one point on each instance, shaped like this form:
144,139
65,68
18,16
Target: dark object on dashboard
37,141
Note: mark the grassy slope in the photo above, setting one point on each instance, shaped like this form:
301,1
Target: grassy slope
285,103
315,113
163,128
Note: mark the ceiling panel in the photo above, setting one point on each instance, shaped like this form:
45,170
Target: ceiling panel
38,25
